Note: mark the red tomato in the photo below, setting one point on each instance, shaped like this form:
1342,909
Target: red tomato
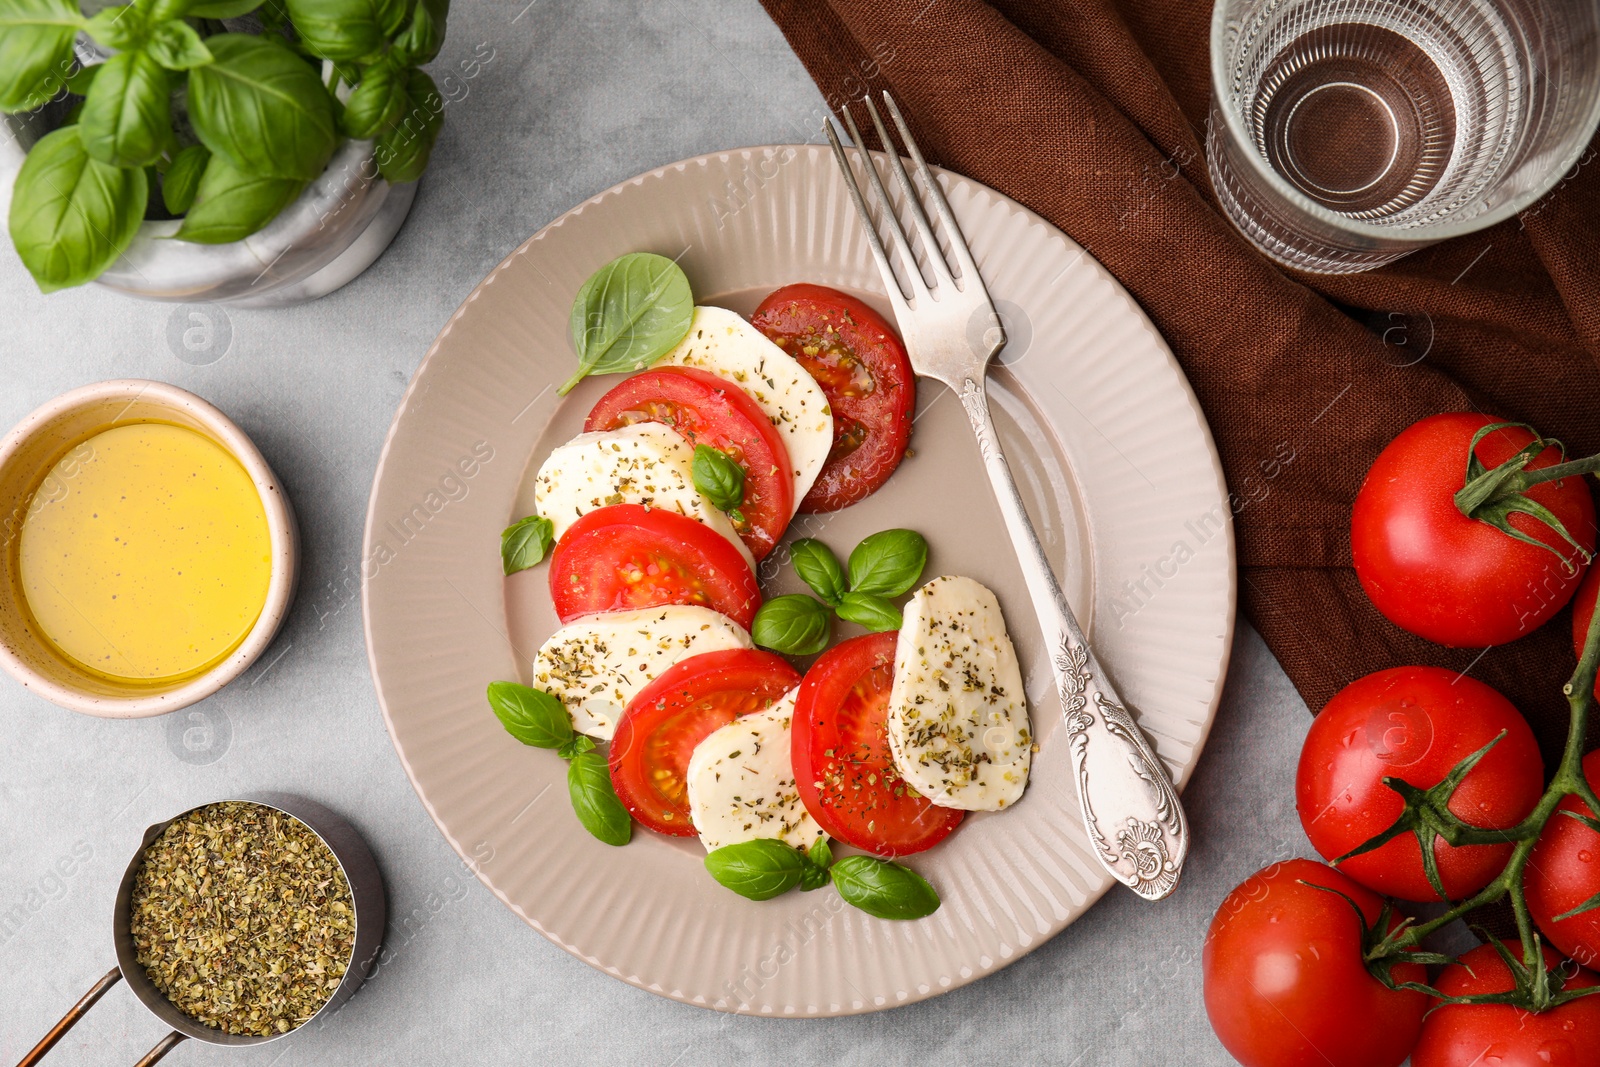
706,410
1285,985
1583,613
842,764
1563,872
1499,1035
1415,724
661,726
863,370
1454,580
630,556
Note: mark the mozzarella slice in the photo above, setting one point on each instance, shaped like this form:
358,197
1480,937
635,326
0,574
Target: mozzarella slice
958,715
597,664
642,463
741,783
723,343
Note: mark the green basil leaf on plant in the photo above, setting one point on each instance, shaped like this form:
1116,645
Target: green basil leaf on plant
341,29
72,215
595,799
375,102
223,9
718,478
80,80
579,744
795,625
424,34
532,716
127,116
630,313
525,543
406,144
262,108
182,179
819,568
121,27
759,869
35,50
888,563
175,45
884,890
231,204
874,612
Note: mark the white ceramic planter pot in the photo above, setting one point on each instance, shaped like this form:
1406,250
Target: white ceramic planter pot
334,231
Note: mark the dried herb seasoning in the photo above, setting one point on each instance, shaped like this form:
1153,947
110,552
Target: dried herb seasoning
242,917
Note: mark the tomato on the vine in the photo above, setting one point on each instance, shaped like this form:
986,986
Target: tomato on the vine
1415,724
1285,983
1455,580
1564,872
1500,1035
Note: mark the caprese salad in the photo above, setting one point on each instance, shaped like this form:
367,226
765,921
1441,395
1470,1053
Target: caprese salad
652,521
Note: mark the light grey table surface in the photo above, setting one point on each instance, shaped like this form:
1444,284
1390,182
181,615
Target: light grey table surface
578,96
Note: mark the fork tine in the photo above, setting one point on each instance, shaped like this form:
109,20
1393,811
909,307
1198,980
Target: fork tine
897,296
919,217
958,243
919,285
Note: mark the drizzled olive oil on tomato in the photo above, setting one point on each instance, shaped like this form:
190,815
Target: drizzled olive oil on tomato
154,561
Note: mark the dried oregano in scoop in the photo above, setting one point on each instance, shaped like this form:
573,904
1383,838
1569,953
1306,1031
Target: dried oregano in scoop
242,917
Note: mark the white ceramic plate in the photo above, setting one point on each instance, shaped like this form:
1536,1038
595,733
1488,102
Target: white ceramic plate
1108,445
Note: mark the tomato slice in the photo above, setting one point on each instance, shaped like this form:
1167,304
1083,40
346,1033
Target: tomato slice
629,556
842,765
706,410
863,370
662,725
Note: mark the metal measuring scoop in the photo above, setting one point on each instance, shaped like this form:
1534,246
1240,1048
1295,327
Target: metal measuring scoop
366,896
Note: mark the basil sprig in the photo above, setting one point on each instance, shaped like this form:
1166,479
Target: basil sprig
537,718
883,566
795,625
525,543
719,479
767,868
630,313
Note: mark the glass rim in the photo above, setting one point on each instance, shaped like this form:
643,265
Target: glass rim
1418,236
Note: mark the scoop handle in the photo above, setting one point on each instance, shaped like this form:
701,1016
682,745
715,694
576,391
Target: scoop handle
70,1019
164,1046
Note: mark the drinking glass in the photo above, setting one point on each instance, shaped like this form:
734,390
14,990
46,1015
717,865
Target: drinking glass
1347,133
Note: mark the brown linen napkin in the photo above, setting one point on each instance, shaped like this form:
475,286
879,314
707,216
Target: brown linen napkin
1093,114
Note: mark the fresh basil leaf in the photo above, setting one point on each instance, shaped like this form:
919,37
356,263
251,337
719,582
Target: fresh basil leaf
343,29
81,79
874,612
580,744
525,543
884,890
630,313
819,568
262,108
223,9
231,204
127,117
795,625
35,50
123,26
759,869
888,563
532,716
406,144
819,857
182,179
424,34
718,478
820,853
72,215
376,101
175,45
595,799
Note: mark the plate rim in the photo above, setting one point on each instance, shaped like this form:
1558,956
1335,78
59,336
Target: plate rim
1228,630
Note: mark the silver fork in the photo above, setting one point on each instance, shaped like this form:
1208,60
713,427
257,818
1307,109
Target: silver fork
1130,809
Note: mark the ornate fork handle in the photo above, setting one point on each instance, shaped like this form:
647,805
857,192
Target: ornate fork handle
1133,815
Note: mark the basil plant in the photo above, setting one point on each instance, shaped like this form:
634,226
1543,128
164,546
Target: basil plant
190,119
